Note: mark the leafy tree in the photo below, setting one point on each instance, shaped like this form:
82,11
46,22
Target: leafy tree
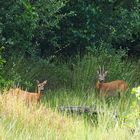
54,27
99,23
24,23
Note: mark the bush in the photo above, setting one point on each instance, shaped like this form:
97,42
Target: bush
133,118
136,91
2,61
116,63
61,27
24,24
24,72
77,73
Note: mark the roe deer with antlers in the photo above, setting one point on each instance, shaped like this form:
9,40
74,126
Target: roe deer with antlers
114,88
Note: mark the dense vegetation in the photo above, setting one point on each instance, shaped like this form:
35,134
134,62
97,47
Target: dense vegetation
60,27
65,41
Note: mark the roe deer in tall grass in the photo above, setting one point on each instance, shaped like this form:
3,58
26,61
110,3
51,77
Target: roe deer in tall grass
35,97
113,88
30,97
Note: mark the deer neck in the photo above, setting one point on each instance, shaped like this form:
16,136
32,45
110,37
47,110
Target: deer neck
99,84
40,92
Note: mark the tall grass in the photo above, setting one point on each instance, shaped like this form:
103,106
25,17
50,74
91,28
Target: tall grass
70,83
77,74
41,122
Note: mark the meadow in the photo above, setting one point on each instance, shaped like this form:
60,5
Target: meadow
70,83
65,42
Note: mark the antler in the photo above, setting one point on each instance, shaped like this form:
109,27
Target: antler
103,69
100,69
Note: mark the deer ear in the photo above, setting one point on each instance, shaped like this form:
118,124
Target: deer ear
45,82
37,82
98,72
106,72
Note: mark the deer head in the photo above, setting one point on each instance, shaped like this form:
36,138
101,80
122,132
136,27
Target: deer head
41,86
101,74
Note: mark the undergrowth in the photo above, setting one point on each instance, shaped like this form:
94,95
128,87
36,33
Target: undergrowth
75,74
70,83
44,121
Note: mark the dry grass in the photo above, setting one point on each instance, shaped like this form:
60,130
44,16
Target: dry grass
19,121
36,116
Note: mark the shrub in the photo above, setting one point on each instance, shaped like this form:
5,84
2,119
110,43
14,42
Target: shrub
77,73
2,61
136,91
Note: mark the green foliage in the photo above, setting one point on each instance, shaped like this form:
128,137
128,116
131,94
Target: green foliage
133,117
78,73
100,22
24,72
50,27
85,70
19,20
74,37
2,61
136,91
24,22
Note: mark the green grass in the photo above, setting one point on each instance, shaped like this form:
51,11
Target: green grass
17,121
70,84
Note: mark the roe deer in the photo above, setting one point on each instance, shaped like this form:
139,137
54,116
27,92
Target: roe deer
111,88
29,97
